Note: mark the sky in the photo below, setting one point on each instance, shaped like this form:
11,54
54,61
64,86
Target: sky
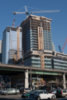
59,20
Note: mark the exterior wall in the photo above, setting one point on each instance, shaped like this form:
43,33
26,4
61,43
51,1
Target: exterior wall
47,40
10,44
35,61
60,64
57,63
48,63
26,37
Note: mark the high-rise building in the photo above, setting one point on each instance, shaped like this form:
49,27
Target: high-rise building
12,45
36,38
37,34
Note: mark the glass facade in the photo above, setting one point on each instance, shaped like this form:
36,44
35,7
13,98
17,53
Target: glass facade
60,64
35,62
9,45
32,61
47,40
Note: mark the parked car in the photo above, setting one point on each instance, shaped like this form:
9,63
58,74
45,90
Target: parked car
3,91
57,92
64,93
26,95
9,91
60,92
42,94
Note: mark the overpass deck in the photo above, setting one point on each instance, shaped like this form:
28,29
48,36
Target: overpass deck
21,68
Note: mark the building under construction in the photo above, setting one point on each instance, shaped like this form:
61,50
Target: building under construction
37,38
39,56
11,46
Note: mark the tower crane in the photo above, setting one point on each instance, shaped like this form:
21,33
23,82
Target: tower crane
64,44
61,49
27,13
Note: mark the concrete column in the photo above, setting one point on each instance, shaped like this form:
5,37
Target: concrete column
64,81
26,79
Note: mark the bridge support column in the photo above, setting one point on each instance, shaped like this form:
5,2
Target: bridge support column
64,81
26,79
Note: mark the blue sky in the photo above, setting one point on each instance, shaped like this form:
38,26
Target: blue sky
59,20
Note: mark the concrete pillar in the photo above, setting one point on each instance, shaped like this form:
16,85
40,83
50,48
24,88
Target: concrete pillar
26,79
64,81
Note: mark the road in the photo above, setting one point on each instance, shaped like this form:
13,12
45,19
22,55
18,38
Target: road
10,97
18,97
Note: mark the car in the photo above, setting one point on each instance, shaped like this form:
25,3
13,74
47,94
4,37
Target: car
3,91
9,91
13,91
42,94
57,92
26,95
64,93
60,92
